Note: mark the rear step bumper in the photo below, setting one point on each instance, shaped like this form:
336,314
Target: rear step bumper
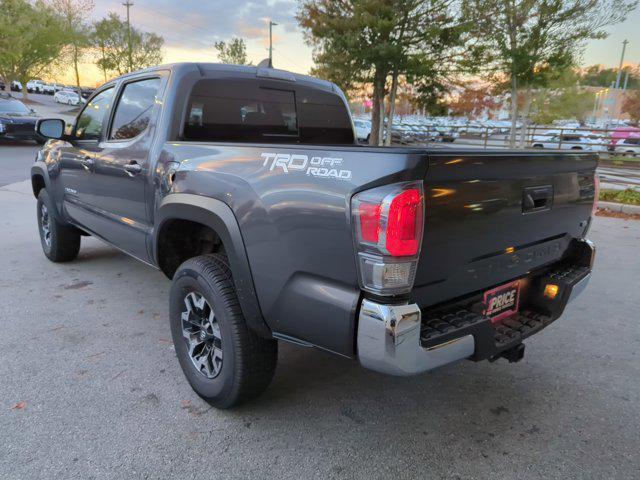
403,340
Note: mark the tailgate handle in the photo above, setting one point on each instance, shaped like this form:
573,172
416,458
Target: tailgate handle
537,199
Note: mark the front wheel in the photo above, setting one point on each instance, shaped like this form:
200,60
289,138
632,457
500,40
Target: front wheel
225,362
60,243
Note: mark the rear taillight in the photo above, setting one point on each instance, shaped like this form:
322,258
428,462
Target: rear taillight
388,223
596,195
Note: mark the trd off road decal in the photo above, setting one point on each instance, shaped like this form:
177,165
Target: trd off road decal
322,167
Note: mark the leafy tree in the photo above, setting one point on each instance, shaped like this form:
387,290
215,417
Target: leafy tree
32,35
362,42
473,101
561,104
631,106
598,76
75,13
562,99
526,41
111,41
234,51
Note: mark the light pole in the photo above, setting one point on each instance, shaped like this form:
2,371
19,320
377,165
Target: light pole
271,25
129,4
618,78
595,106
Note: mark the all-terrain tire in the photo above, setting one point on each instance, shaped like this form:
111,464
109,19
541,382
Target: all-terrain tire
60,243
248,361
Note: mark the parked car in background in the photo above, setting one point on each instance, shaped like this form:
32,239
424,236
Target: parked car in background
17,121
2,85
363,129
57,87
16,86
48,89
35,86
629,147
67,97
621,133
402,134
570,141
548,134
447,134
86,92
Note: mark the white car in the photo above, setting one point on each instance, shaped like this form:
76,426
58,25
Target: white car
48,89
35,86
629,147
569,141
363,129
70,98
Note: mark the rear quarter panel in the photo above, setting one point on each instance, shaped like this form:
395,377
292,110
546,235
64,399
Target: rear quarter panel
295,223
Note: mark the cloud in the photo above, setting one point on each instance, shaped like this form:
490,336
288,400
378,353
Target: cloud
195,23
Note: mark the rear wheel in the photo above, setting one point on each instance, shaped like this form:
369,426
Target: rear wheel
60,243
225,362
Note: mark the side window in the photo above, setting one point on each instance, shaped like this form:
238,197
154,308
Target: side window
134,109
89,124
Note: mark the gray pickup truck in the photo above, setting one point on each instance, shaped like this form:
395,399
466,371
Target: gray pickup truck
246,187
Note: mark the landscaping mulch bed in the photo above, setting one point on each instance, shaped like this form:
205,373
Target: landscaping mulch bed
603,212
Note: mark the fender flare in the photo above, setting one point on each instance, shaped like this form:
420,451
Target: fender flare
220,218
39,168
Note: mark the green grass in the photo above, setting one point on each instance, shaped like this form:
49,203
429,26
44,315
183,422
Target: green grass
620,160
629,196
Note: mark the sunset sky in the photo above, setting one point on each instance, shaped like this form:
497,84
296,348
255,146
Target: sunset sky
190,28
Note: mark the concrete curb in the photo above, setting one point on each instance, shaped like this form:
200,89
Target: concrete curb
620,207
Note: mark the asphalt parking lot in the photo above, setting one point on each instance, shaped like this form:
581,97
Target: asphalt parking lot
91,387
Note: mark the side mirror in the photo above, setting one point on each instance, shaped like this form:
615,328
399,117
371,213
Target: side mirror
51,128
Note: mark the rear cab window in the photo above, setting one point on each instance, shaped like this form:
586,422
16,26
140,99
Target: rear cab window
252,111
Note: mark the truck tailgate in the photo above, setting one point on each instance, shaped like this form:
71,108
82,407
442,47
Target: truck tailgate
492,217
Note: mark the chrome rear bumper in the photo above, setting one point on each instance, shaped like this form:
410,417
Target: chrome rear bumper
389,341
389,335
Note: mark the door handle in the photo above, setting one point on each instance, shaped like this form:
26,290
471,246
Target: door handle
87,163
133,168
536,199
